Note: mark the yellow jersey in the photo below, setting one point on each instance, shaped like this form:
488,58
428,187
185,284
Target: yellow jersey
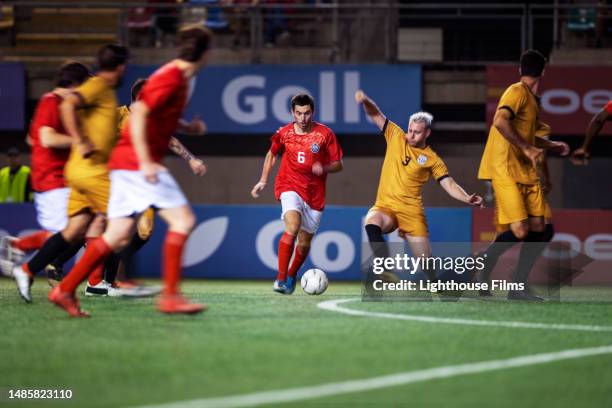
501,159
98,119
405,170
123,114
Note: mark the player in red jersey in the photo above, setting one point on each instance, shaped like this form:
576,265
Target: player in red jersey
139,181
309,152
50,152
582,155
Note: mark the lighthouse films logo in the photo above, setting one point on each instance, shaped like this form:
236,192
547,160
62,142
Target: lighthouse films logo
457,271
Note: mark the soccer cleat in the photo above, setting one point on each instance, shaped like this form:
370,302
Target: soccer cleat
103,289
66,301
54,275
523,295
135,290
290,285
176,304
279,286
9,252
24,282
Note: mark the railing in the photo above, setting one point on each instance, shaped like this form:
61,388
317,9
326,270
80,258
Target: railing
470,33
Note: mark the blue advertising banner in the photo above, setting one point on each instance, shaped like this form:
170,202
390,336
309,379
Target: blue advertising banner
240,242
256,99
12,96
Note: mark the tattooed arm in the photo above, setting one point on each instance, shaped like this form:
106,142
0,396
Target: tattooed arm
197,166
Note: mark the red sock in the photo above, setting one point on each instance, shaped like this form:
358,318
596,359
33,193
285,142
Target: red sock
95,254
172,256
26,269
32,241
300,256
97,274
285,250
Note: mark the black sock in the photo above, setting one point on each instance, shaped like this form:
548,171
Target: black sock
49,251
66,255
549,232
377,241
134,246
533,246
111,265
503,242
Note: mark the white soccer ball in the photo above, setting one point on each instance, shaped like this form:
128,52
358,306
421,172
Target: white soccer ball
314,282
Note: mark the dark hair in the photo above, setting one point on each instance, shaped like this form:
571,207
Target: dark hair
194,41
136,87
111,56
72,74
302,100
532,63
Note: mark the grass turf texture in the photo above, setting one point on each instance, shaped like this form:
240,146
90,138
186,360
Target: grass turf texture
252,340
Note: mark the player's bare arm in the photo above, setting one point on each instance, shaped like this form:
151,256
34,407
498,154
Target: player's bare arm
269,162
559,147
195,127
51,138
68,111
318,169
581,155
197,166
458,193
371,109
138,120
503,122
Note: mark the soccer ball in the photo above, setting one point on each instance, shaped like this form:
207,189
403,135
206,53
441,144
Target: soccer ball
314,282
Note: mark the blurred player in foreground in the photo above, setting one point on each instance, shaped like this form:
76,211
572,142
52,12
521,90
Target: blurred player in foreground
309,152
89,116
50,152
139,181
582,155
116,266
408,164
510,161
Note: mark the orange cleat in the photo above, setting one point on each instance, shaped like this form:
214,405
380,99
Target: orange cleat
175,304
66,301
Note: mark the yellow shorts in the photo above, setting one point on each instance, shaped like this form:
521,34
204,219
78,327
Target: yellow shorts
503,227
88,193
410,220
517,202
145,224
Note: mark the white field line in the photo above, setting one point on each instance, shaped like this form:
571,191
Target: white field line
334,306
368,384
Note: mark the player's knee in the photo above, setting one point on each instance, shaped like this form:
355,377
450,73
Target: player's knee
292,227
520,231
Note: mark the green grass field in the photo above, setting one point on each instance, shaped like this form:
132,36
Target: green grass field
254,340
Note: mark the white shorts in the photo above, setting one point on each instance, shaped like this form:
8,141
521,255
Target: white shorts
291,201
52,209
131,194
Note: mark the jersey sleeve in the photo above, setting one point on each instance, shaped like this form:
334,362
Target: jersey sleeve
608,107
275,143
542,129
156,93
391,130
438,169
513,100
334,151
91,91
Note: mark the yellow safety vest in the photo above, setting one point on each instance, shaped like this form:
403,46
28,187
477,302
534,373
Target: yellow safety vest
12,189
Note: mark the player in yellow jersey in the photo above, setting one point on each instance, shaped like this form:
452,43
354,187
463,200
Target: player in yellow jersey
409,163
89,115
510,161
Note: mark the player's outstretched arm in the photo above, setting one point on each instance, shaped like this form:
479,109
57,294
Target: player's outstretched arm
559,147
138,120
51,138
197,166
503,123
68,112
269,162
371,109
581,155
458,193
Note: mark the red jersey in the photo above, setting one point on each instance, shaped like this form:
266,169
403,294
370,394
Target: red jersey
299,152
608,107
165,94
47,163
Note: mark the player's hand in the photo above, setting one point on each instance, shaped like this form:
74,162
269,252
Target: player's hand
535,155
197,167
360,96
257,188
561,147
149,171
85,148
580,157
196,126
317,169
475,201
